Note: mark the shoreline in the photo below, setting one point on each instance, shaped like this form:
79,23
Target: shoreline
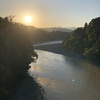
57,48
28,89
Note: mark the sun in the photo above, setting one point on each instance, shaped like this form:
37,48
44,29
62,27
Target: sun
28,19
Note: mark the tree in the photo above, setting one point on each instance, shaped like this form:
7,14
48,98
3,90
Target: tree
86,41
16,49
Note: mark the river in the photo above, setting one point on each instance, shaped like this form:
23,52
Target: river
66,78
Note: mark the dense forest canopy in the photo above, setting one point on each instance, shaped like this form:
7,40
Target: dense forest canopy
85,40
16,49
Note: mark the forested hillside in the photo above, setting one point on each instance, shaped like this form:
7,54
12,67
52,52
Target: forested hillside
85,40
16,49
38,35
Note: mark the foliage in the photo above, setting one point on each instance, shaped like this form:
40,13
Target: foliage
16,49
86,40
40,35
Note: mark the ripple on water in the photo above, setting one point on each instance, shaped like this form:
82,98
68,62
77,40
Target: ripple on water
66,78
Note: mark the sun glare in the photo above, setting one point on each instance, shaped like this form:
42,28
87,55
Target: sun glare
28,19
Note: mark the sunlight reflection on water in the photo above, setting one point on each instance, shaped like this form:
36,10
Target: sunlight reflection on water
65,78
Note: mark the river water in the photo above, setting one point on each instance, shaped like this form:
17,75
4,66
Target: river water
66,78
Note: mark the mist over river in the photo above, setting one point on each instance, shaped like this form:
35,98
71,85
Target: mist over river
66,77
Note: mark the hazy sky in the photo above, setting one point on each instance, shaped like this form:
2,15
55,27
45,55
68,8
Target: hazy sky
49,13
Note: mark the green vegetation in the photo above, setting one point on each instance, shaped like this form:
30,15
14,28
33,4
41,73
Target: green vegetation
86,40
16,51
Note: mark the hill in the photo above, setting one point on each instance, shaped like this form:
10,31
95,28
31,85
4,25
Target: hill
38,35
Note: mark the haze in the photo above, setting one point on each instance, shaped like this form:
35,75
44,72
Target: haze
50,13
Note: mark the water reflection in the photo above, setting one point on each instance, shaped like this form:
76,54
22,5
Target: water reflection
47,43
36,69
47,82
65,78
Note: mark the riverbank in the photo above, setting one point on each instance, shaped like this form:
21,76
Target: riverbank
66,78
28,89
57,48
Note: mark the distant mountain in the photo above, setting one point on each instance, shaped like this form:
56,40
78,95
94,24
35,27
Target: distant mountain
72,28
51,29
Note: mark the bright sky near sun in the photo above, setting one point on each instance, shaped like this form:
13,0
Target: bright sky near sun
50,13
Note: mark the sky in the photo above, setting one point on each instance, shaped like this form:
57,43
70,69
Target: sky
52,13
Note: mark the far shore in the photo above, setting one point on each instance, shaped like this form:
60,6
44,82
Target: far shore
57,48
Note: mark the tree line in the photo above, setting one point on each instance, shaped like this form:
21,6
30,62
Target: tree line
85,40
